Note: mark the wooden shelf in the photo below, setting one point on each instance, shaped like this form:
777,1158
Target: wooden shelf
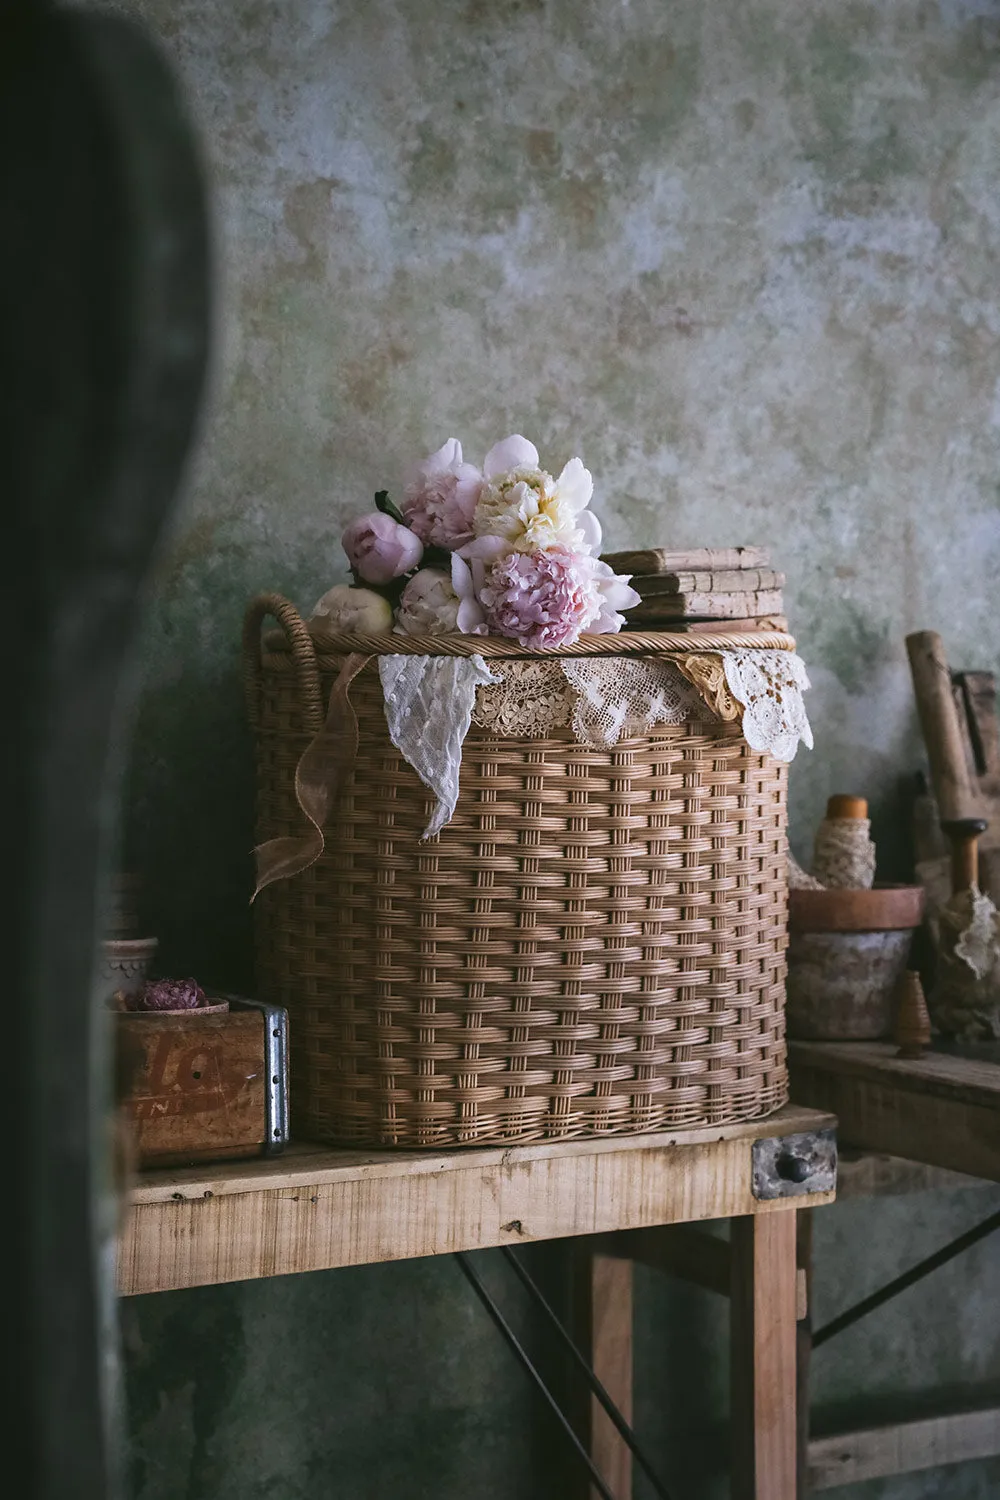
316,1208
939,1109
905,1447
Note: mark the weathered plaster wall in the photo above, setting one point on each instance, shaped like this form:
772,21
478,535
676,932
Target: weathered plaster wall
742,257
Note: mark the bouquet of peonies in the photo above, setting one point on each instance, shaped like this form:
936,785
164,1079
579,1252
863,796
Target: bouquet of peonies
508,551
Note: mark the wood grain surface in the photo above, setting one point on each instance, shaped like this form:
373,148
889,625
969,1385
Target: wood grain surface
649,560
318,1208
939,1109
763,1355
904,1447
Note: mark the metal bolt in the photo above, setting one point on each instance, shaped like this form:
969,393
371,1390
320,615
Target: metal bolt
792,1168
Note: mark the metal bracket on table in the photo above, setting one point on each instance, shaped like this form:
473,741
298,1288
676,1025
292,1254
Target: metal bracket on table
276,1061
789,1166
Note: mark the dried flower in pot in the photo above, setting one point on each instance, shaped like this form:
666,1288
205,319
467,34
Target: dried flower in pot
170,997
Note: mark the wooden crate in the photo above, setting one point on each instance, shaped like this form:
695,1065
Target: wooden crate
203,1087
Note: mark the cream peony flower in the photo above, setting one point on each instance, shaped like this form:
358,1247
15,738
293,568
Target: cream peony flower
428,605
524,505
356,611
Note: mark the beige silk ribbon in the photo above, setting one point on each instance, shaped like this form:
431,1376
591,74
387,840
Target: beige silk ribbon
707,672
324,766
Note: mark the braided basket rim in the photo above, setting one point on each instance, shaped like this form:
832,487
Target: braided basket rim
622,643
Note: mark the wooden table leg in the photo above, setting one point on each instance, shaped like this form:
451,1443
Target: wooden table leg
603,1333
762,1312
803,1351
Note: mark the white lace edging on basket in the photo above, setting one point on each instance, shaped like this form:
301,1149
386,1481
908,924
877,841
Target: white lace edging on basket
626,696
605,699
430,702
769,685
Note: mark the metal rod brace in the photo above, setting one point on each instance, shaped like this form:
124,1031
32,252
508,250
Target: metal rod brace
586,1370
907,1279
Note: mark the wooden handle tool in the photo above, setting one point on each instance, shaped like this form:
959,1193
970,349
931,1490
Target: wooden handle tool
958,804
963,835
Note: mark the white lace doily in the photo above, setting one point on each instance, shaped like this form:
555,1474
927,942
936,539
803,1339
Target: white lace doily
428,708
978,944
769,685
627,696
963,1000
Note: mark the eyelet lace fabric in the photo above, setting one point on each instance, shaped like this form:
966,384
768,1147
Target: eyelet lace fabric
428,709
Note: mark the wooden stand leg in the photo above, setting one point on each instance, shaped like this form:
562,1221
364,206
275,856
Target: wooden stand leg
762,1311
803,1352
603,1333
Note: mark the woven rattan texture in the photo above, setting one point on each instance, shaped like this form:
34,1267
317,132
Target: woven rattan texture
594,945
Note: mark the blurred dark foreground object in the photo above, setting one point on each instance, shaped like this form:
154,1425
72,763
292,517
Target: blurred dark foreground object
104,288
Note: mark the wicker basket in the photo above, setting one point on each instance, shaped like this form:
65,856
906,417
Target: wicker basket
595,944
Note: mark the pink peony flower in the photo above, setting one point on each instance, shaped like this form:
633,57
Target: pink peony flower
540,599
379,549
441,497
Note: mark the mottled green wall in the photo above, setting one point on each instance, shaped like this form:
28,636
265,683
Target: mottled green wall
740,255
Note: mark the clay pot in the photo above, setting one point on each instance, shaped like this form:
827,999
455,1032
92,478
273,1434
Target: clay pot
123,966
847,951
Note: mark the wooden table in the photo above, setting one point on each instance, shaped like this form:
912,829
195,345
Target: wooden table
315,1209
940,1109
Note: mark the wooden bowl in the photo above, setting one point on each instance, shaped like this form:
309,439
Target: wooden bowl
885,908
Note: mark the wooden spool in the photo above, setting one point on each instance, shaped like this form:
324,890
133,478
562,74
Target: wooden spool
912,1028
843,806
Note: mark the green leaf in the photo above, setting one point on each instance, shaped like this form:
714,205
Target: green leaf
436,557
385,505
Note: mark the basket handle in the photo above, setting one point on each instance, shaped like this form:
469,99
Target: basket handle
303,655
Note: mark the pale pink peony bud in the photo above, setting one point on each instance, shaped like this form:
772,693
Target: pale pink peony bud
379,549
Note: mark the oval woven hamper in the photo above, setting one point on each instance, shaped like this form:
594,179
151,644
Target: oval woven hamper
595,944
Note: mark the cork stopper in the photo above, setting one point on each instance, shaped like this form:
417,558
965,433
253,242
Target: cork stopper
846,807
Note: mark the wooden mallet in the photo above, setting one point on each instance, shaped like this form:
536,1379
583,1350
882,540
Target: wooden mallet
950,771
